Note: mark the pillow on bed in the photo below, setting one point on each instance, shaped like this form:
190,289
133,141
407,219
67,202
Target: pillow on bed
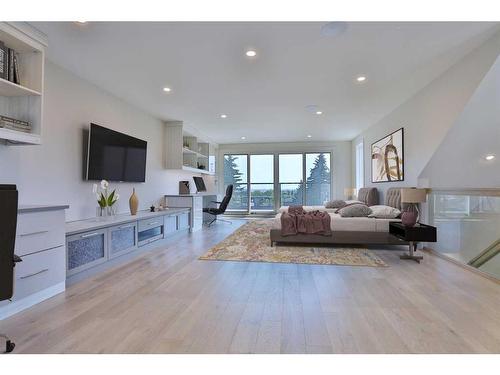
335,204
354,202
355,210
384,212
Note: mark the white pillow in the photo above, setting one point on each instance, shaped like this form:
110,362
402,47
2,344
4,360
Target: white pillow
384,212
353,201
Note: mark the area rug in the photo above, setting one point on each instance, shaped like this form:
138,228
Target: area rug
250,243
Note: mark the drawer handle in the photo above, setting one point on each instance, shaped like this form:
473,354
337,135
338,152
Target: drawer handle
154,222
34,274
33,233
89,235
126,226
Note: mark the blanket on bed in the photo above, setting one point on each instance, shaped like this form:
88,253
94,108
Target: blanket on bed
296,220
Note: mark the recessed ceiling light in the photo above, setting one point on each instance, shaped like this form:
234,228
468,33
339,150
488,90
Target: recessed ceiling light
167,89
490,157
243,138
361,78
223,116
309,136
333,28
319,112
251,53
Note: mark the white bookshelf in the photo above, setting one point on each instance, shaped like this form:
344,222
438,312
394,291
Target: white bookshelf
188,152
23,101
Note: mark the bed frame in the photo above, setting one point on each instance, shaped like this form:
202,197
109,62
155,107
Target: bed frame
366,195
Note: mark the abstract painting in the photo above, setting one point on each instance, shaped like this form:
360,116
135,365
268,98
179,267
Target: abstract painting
388,158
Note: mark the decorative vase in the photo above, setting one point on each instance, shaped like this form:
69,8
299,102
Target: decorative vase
409,218
105,211
133,203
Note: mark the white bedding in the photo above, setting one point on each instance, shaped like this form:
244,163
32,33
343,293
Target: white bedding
350,224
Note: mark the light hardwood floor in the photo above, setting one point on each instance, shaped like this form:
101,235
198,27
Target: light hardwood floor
168,301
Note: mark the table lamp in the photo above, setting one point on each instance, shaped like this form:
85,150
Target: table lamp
350,193
413,197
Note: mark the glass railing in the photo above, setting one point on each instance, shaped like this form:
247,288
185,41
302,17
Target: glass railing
468,226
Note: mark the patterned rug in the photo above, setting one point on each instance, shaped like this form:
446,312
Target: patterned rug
251,243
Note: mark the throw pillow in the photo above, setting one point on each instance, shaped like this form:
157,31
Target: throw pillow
384,212
335,204
355,210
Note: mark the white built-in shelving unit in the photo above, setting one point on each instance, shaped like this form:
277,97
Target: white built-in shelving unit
23,101
187,151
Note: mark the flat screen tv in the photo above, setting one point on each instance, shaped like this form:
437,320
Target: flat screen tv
115,156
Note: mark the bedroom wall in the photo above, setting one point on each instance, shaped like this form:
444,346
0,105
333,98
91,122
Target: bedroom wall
428,116
341,158
459,161
52,172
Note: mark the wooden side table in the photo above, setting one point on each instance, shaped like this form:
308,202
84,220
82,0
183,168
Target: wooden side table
413,235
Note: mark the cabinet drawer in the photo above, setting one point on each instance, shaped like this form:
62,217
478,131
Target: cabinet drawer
183,221
122,239
86,250
37,231
150,223
39,271
170,224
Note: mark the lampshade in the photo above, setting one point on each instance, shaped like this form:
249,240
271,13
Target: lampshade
350,193
412,195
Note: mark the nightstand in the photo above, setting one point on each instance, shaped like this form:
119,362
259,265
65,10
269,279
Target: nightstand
413,235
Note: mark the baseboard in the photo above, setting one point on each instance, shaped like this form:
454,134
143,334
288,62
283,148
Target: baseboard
17,306
462,265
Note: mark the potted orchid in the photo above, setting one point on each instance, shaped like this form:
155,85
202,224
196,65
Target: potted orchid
105,199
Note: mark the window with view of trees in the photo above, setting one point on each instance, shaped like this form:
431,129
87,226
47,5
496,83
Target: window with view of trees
291,179
235,173
261,182
301,178
318,178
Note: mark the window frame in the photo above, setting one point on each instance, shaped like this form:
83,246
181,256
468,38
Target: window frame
276,183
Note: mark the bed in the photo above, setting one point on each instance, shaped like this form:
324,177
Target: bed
348,230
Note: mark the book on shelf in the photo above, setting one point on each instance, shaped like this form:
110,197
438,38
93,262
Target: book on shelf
11,126
16,70
3,61
11,65
14,124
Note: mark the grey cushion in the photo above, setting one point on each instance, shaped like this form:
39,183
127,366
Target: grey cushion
355,210
368,196
335,204
384,212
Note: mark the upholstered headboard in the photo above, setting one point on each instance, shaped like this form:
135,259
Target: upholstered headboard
369,196
393,197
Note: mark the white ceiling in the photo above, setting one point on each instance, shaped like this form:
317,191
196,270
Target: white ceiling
265,98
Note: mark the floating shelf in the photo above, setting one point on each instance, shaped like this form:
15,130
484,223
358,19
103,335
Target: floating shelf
186,150
8,88
196,170
23,101
21,138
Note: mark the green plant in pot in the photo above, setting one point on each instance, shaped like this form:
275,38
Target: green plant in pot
105,199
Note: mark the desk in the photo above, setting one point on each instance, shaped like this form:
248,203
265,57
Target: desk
196,202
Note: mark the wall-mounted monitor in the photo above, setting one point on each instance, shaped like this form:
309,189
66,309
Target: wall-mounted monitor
115,156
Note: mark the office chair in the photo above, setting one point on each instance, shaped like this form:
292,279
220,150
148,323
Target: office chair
8,223
222,206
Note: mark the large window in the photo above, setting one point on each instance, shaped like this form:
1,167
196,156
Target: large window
316,174
235,173
301,179
262,182
291,179
318,178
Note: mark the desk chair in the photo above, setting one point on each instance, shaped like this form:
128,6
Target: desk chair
8,223
222,206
